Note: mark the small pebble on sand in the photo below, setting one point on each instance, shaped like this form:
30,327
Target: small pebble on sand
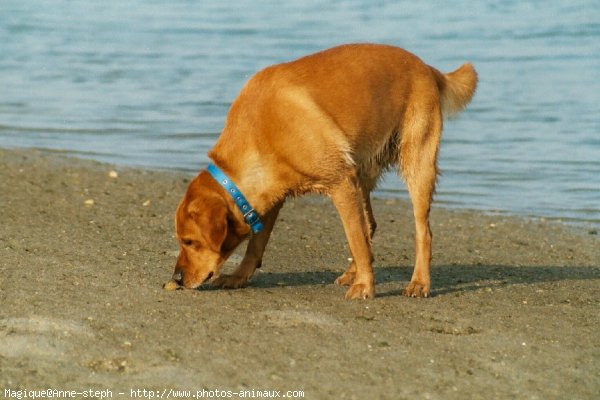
171,285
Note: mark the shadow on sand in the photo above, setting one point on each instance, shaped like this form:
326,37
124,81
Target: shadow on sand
446,278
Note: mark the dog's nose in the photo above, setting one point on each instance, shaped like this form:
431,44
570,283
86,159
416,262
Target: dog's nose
210,275
178,276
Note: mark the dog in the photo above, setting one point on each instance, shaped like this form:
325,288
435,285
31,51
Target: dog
327,123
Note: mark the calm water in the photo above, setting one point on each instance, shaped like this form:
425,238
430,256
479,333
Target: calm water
148,83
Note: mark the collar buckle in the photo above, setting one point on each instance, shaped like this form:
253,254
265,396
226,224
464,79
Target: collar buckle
250,215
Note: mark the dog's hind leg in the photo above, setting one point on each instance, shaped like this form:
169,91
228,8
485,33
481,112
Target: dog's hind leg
419,167
348,199
347,278
419,285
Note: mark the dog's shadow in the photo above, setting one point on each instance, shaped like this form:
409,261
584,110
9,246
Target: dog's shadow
446,279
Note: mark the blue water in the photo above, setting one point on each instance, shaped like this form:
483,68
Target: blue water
148,83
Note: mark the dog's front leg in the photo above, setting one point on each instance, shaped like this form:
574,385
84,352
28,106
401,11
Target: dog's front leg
254,253
348,200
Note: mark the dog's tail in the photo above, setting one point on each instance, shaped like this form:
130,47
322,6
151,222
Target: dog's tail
456,88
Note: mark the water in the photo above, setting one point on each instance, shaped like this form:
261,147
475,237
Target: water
148,83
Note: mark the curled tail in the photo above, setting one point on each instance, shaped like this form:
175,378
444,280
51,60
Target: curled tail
456,88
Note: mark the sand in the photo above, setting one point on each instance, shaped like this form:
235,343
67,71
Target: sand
85,248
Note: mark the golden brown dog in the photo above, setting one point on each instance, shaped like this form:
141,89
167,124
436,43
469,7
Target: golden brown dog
330,123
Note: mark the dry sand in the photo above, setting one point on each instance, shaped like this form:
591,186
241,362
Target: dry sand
514,314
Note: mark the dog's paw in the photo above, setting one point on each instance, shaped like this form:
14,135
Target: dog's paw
414,289
346,279
225,281
360,291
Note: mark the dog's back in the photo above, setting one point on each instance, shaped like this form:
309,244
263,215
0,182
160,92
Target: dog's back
354,104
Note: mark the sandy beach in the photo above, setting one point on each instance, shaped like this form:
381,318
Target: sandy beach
84,252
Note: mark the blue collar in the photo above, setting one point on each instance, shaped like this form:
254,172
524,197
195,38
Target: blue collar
250,216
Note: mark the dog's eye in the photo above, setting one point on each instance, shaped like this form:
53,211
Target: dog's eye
187,242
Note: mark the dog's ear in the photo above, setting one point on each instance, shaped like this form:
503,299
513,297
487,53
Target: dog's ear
211,217
236,232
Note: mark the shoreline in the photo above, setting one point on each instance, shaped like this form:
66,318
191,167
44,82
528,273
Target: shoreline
590,224
84,255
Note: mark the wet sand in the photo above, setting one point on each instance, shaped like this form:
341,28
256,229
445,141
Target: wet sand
514,312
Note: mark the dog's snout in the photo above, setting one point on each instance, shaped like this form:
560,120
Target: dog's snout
178,276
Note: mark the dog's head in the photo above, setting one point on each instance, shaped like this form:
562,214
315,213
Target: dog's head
207,231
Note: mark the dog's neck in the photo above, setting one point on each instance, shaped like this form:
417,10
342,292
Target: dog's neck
250,214
252,180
